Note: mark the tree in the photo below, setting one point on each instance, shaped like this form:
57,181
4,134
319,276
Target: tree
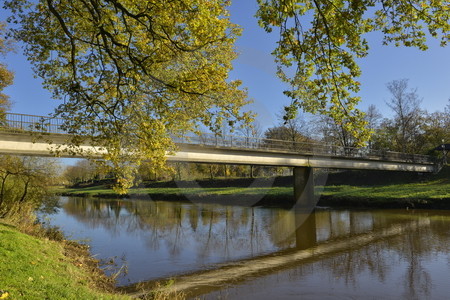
383,138
132,73
295,129
320,41
6,76
24,183
446,121
436,128
427,133
291,135
252,134
336,133
405,103
373,117
84,170
252,131
296,126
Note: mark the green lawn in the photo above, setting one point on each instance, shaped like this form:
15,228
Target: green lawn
437,189
200,191
33,268
432,189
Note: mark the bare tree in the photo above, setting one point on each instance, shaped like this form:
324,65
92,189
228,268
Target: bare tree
294,126
405,103
335,134
447,116
252,133
252,130
373,118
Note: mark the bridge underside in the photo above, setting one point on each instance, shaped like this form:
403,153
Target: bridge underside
202,154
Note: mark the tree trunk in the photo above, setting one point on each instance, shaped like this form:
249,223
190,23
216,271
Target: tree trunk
2,191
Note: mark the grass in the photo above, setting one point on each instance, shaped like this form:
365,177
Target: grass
39,268
366,189
35,267
103,190
432,187
436,189
431,192
427,190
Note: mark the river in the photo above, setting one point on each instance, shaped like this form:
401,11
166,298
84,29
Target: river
216,251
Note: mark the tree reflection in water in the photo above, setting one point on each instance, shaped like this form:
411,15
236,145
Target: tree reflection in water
410,265
189,237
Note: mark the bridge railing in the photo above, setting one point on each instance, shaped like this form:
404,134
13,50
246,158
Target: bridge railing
240,142
13,122
17,123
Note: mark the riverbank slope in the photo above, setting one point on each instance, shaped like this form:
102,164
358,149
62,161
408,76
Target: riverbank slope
33,267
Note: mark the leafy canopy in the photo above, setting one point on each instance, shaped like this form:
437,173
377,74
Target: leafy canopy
133,72
320,41
6,76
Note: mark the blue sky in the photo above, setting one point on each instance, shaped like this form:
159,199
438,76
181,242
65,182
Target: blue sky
428,71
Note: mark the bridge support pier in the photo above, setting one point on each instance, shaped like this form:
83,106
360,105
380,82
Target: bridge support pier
305,219
304,188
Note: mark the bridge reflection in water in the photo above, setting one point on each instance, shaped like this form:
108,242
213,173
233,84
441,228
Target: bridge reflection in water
307,249
215,246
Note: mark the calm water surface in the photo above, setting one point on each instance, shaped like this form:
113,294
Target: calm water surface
268,253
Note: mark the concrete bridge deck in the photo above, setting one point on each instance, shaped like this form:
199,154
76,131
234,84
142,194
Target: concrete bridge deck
19,135
42,136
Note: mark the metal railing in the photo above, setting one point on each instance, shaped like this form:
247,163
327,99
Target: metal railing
309,148
20,123
17,123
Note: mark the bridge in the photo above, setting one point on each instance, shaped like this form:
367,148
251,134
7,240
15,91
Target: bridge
22,134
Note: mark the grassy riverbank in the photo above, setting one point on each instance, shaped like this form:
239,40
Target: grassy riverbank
350,188
34,267
157,193
385,189
430,194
